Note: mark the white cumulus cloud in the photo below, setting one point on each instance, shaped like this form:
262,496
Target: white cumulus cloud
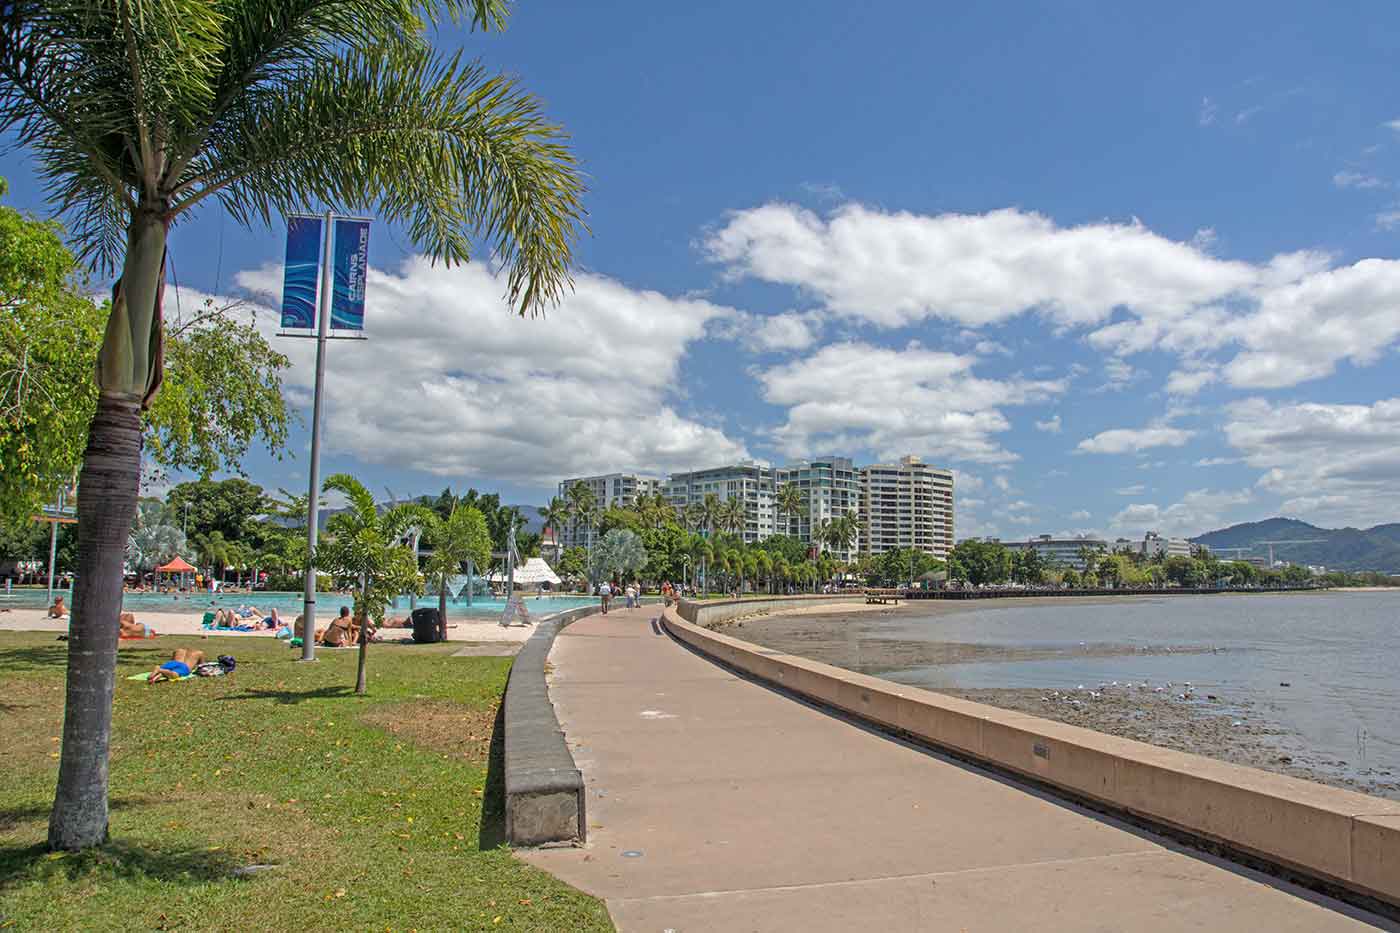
451,383
854,395
1132,440
1268,324
1332,463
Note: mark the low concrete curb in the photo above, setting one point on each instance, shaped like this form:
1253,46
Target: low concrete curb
1344,841
544,788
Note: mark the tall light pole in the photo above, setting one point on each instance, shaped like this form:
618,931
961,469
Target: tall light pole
308,608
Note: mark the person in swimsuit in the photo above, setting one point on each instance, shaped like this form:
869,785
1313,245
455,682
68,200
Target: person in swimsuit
182,662
58,610
133,629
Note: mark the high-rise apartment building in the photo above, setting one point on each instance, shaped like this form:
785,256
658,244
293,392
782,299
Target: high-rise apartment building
830,489
612,489
748,481
908,504
903,504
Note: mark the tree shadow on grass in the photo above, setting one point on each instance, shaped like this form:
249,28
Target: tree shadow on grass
116,860
37,658
13,817
492,832
289,696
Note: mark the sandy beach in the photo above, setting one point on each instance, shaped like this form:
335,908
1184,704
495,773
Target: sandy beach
1219,725
190,623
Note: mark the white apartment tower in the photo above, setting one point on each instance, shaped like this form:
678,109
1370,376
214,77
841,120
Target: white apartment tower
908,504
830,489
611,489
748,481
899,505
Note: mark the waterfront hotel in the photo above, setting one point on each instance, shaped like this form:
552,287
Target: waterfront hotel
904,504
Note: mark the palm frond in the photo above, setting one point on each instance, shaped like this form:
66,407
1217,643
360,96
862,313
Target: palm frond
427,141
361,502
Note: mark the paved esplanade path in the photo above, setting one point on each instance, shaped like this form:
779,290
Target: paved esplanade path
715,803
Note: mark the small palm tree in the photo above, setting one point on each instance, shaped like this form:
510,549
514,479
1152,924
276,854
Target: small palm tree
556,516
789,502
462,537
694,516
734,517
139,113
712,512
366,546
583,507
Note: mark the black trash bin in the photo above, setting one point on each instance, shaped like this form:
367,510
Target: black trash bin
425,626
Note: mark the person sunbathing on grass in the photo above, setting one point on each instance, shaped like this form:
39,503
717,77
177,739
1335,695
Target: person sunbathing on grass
182,662
130,628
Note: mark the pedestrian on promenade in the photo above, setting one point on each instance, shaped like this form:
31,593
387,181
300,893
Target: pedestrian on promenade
604,595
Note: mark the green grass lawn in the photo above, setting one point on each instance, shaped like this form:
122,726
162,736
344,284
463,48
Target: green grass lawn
374,813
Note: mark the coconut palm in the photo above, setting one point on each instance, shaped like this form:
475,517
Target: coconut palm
694,516
366,545
583,507
139,113
789,502
764,567
461,537
556,516
214,551
733,517
712,511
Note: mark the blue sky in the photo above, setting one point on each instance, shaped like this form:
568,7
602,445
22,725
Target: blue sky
1123,268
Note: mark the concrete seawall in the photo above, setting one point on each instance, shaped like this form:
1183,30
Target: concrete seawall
543,786
1342,839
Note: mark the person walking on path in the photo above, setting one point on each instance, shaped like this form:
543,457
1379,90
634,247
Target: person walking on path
604,595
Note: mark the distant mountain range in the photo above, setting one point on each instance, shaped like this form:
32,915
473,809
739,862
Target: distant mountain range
1375,548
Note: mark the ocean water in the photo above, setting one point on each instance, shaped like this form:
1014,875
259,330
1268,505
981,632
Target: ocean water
1337,653
290,604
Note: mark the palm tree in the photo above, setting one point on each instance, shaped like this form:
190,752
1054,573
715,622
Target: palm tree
702,552
733,516
462,537
138,113
711,512
789,501
764,565
555,516
583,506
366,545
214,550
843,532
694,516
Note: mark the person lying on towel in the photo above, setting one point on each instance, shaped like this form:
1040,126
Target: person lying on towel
133,629
182,662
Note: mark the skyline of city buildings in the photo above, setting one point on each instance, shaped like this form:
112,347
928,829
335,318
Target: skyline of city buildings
1071,551
907,503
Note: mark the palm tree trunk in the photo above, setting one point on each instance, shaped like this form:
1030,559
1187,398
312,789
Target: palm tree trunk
360,686
128,375
109,481
442,609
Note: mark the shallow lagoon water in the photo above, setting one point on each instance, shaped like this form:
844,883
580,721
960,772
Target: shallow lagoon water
1339,654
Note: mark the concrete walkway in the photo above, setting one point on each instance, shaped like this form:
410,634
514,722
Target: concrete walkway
718,804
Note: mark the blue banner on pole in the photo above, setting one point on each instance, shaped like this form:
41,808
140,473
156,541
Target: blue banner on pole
300,272
351,267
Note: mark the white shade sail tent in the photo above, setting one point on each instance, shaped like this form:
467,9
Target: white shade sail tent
533,572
